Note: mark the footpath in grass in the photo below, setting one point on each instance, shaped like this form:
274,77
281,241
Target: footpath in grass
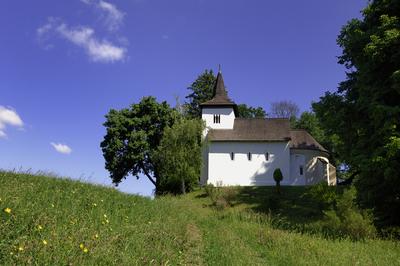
52,221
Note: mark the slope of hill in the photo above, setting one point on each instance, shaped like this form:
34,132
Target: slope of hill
44,220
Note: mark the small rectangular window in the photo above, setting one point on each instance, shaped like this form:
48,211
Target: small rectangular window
232,156
249,156
301,170
266,156
217,119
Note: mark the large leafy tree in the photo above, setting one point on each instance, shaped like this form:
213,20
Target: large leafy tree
132,138
179,156
364,112
202,90
251,112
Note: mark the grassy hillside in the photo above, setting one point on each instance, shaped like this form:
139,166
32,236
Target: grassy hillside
53,221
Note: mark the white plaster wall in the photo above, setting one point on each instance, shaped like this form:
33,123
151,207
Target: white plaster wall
227,117
313,172
241,171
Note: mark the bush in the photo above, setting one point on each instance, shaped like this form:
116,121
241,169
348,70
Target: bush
278,177
348,220
221,196
323,194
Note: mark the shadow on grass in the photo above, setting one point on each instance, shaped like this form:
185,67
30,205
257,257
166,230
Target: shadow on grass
292,204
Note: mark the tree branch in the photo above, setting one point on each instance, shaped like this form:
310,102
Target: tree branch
147,174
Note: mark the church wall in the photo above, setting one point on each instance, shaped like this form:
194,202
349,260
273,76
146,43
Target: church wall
314,170
240,171
227,116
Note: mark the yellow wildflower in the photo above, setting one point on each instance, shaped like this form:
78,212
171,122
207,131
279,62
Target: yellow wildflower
7,210
85,250
39,227
81,246
20,248
44,242
94,205
107,221
105,215
96,236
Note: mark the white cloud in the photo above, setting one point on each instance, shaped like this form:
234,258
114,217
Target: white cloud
114,17
9,117
97,50
61,148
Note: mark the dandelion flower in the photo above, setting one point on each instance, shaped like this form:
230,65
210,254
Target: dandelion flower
85,250
96,236
44,242
7,210
81,246
20,248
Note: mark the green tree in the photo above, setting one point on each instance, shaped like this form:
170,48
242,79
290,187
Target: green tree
364,112
179,156
132,138
278,177
202,90
250,112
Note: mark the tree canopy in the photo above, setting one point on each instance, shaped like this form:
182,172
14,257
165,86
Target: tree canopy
179,156
364,112
284,109
132,138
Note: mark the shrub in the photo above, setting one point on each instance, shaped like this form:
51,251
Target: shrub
221,196
348,220
229,194
323,194
278,177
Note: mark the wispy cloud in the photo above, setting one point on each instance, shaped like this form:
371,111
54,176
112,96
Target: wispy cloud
9,117
84,37
112,16
61,148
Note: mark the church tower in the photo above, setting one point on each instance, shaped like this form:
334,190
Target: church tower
220,111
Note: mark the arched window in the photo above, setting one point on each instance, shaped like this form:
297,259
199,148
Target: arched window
266,156
249,156
232,156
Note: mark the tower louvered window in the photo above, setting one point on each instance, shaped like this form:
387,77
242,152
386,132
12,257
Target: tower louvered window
217,119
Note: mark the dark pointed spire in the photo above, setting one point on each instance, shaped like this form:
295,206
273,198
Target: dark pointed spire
219,87
220,97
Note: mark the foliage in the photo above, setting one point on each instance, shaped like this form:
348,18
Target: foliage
202,90
278,177
179,156
221,197
132,138
284,109
163,231
251,112
348,220
363,114
323,194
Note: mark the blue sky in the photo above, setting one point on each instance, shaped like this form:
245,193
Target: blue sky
64,64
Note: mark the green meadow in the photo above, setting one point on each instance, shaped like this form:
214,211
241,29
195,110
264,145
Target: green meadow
54,221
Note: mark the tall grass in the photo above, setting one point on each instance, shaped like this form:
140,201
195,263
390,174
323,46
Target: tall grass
53,221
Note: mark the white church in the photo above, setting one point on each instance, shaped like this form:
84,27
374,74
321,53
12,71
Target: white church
246,151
